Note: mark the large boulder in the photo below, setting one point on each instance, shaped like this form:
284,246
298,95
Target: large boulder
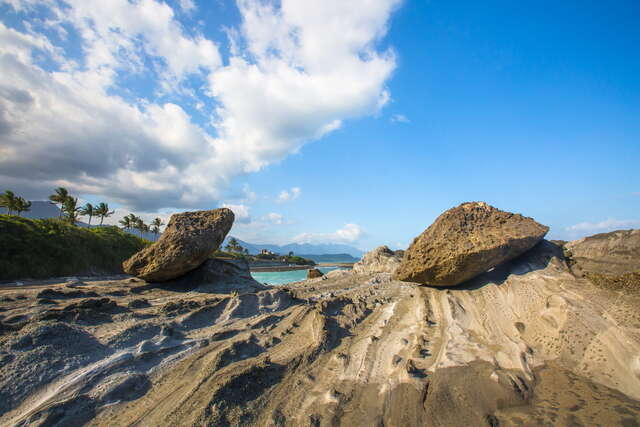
314,273
465,241
380,260
617,252
187,242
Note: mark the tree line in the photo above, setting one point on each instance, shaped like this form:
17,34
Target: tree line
71,211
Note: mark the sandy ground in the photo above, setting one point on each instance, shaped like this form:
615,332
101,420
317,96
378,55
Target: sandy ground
525,344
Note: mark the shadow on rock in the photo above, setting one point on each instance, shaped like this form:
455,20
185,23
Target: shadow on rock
214,276
538,258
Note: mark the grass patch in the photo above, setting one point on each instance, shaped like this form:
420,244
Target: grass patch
39,248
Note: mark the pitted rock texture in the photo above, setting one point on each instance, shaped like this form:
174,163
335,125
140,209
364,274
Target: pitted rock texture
187,242
380,260
465,241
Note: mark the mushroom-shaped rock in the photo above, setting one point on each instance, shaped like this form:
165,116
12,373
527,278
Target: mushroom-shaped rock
187,242
314,273
465,241
380,260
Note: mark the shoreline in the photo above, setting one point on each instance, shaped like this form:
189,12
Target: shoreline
299,267
279,268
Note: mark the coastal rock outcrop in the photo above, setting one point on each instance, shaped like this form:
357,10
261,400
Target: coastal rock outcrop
314,273
187,242
221,276
465,241
527,343
380,260
617,252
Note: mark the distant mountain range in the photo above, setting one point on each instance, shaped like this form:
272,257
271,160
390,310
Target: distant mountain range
307,250
39,209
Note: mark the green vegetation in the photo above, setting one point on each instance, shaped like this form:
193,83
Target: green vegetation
103,211
51,247
14,203
155,226
132,221
88,210
234,247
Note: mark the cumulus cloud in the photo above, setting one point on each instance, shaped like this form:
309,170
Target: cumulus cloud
603,226
274,218
350,233
294,74
288,195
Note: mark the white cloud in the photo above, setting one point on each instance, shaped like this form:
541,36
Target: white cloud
399,118
274,218
187,5
288,195
350,233
240,211
297,71
604,226
307,67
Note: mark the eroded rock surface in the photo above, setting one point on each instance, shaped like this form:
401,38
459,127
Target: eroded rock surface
187,242
527,343
617,252
380,260
466,241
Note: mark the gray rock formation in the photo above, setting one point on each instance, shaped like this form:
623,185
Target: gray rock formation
465,241
380,260
617,252
221,276
187,242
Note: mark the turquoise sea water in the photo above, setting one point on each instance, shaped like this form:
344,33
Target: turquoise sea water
282,277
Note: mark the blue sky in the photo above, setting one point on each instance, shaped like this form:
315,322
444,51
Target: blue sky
350,122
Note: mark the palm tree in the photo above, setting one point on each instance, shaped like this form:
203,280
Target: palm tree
126,222
234,246
89,210
102,210
139,225
156,224
129,221
60,196
22,205
71,209
8,200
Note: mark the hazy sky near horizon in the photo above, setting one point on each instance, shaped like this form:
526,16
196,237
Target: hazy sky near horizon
353,122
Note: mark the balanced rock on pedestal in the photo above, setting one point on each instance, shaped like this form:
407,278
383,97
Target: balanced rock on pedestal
187,242
466,241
